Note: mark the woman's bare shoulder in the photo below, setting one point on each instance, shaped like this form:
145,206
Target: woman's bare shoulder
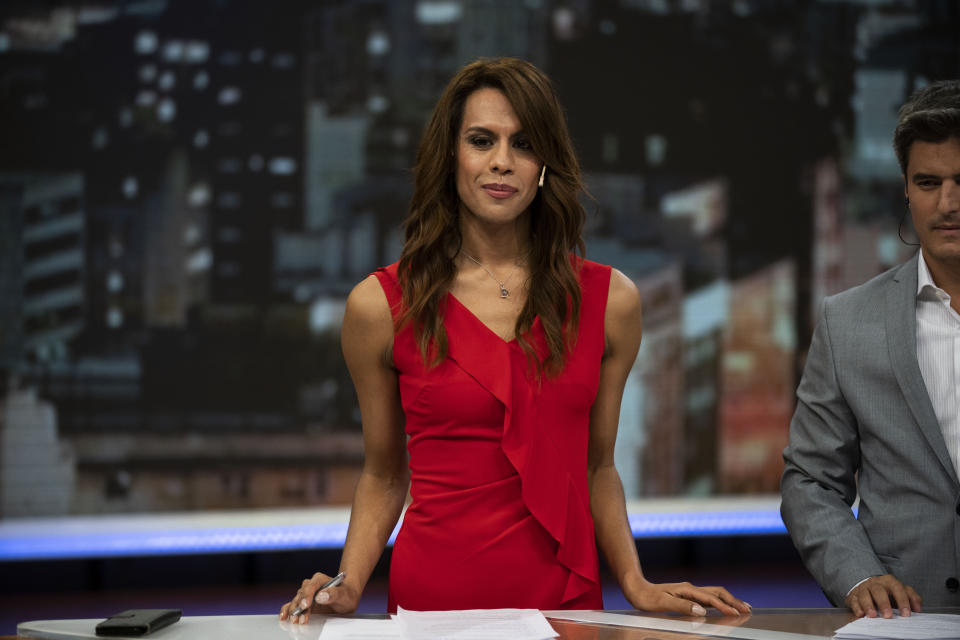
623,299
367,318
623,320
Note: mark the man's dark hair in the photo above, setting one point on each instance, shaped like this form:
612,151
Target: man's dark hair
932,114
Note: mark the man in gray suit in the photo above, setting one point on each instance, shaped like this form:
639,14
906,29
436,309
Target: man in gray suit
878,409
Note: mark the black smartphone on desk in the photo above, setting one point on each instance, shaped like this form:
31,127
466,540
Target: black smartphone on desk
137,622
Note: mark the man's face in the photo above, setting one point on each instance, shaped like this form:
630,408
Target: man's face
933,187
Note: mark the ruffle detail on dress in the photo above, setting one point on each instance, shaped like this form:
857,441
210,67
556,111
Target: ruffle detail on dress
548,490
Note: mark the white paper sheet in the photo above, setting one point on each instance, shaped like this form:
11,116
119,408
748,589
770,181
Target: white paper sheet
358,629
916,626
478,624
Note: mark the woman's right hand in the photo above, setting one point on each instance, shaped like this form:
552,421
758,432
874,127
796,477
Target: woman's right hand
682,597
340,599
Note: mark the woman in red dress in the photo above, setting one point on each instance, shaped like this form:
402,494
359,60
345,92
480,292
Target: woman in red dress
489,364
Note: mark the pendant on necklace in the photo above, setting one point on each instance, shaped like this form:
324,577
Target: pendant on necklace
503,292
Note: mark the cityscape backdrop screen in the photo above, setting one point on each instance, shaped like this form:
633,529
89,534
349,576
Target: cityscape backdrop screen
190,189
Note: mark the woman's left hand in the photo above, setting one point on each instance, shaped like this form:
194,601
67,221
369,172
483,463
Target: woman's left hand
684,598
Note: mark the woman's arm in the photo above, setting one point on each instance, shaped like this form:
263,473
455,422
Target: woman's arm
367,340
623,328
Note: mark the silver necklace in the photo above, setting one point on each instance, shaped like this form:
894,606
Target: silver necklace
504,292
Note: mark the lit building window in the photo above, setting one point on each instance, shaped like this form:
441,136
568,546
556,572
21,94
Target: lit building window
229,200
166,110
229,95
656,149
888,249
191,234
167,81
173,51
148,73
284,60
125,117
377,104
201,139
564,24
200,260
101,138
282,200
199,195
229,164
283,166
201,81
256,162
115,247
146,98
257,55
378,43
114,318
229,234
230,58
400,137
145,42
438,12
114,281
196,51
130,187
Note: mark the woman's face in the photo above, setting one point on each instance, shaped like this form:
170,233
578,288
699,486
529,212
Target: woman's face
497,172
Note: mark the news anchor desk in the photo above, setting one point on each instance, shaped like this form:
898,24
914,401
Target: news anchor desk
763,624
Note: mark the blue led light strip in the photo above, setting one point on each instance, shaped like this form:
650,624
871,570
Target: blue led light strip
712,523
162,542
52,542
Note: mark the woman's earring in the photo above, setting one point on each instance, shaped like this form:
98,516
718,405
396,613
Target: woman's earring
543,174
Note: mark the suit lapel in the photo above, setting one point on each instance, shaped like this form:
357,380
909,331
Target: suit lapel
901,324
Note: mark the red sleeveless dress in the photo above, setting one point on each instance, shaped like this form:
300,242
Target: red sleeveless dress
500,512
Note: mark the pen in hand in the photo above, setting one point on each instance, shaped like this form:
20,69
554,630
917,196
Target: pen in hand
332,582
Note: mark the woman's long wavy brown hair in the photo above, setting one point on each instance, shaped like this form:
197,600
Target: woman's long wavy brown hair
432,231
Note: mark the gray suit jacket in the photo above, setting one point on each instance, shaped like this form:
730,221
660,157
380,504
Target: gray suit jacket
863,409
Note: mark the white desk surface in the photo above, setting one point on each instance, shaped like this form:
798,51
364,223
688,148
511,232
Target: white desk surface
257,627
763,624
269,627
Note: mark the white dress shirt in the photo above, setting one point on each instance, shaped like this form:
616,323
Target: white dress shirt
938,352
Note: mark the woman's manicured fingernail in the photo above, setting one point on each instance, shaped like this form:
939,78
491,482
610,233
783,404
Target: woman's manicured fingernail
323,597
698,610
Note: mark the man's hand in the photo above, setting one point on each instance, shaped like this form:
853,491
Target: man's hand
874,596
